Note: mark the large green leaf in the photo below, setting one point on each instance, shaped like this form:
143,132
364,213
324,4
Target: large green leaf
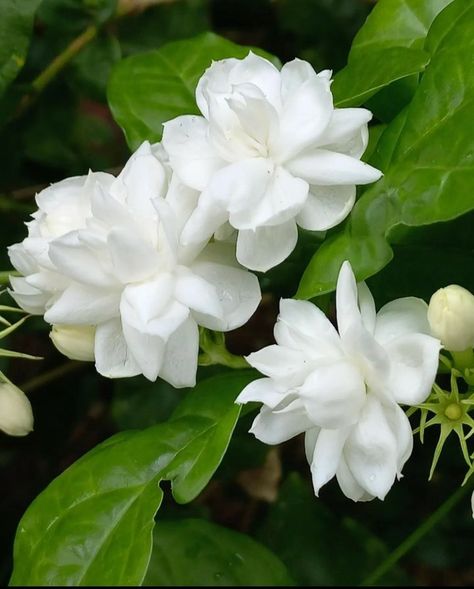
196,552
16,23
427,157
389,47
148,89
318,547
93,524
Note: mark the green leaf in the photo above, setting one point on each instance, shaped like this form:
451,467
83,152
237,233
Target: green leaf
148,89
16,23
196,552
426,155
318,547
93,524
388,48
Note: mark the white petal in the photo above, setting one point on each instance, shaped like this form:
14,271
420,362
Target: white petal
191,155
366,306
266,247
326,207
133,259
84,305
272,427
288,367
346,299
327,455
77,261
371,451
303,326
207,217
414,364
347,132
241,185
402,317
150,308
28,297
144,178
181,355
306,111
334,394
310,439
328,168
112,356
147,350
200,295
349,486
21,260
402,431
262,390
282,199
237,291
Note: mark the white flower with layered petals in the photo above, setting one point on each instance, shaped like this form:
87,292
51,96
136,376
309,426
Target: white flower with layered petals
269,152
106,255
342,388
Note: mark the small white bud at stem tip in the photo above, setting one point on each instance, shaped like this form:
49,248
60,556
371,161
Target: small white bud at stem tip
74,341
16,415
451,317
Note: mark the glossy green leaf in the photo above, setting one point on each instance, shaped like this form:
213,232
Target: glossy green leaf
426,154
148,89
319,547
93,524
16,24
388,48
196,552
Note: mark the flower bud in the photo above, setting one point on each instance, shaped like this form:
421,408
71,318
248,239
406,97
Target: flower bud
451,317
16,416
74,341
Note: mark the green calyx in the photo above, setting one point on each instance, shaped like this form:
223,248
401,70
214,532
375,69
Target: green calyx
450,411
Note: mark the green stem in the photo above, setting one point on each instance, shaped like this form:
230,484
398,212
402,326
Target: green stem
415,536
56,66
51,375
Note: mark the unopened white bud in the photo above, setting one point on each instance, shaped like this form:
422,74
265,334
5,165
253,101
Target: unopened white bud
16,415
451,317
74,341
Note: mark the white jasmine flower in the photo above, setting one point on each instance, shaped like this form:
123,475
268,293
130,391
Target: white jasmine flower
16,415
451,317
117,265
74,341
269,152
342,388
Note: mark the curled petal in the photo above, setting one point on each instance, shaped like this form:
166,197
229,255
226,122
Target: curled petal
303,326
326,207
266,247
273,427
289,368
328,168
334,394
83,305
402,317
181,355
349,486
237,291
262,390
112,356
306,111
414,363
371,450
327,456
191,155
